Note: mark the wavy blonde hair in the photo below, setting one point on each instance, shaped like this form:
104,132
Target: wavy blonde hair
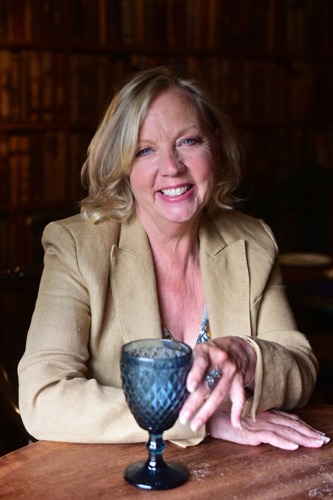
112,150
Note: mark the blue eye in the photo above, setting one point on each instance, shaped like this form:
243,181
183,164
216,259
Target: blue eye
143,152
189,141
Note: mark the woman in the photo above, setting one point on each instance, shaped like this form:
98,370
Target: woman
157,248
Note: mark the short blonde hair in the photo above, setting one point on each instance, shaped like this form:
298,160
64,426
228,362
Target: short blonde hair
112,150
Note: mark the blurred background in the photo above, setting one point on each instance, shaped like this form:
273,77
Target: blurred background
268,63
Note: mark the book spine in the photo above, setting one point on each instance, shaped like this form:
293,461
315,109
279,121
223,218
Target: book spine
5,84
34,86
60,87
14,169
4,169
55,168
47,87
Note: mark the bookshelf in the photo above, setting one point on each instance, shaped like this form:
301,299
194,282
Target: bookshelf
268,62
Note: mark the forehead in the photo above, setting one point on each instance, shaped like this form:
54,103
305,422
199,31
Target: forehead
170,111
172,101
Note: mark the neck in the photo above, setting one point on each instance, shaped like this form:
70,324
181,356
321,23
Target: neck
173,241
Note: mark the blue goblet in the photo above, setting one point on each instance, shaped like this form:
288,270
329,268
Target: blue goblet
154,375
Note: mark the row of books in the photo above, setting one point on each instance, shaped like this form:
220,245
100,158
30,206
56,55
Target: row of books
260,25
32,21
46,87
41,168
256,91
259,91
32,86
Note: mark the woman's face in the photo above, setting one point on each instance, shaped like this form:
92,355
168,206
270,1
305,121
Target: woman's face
173,172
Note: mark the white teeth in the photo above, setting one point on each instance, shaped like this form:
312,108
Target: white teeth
175,192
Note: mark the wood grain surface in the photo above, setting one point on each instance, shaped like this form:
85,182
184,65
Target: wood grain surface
218,469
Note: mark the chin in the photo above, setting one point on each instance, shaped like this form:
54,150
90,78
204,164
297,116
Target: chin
182,218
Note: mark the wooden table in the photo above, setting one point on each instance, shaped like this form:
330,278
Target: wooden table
218,470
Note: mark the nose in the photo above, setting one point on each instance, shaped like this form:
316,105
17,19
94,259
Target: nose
171,163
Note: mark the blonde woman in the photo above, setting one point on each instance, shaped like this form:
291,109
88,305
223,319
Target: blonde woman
158,250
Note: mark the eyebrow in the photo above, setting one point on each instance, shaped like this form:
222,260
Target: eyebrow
181,132
187,129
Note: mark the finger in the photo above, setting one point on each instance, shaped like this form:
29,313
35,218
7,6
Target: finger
192,404
269,437
284,433
238,398
299,424
201,363
255,437
298,437
201,405
207,409
212,402
205,356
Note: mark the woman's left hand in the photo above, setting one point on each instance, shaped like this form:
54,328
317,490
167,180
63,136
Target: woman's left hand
277,428
236,360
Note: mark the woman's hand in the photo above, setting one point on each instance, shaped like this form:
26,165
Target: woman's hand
236,359
274,427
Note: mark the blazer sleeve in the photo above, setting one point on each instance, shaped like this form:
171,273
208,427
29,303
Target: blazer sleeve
59,397
286,368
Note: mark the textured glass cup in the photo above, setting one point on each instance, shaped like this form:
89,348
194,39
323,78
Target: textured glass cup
154,375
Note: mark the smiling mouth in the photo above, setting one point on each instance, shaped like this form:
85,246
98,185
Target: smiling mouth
176,191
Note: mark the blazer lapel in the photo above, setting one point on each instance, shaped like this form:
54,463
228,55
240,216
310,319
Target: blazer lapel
226,282
225,278
133,284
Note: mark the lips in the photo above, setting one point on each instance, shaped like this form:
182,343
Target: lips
177,191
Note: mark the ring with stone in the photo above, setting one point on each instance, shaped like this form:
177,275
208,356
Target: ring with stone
212,377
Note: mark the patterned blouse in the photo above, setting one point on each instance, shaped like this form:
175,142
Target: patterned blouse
204,334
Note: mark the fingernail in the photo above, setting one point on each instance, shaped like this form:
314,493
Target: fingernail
293,446
196,425
326,439
184,418
192,387
321,441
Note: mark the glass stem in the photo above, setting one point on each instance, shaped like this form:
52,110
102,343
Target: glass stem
155,447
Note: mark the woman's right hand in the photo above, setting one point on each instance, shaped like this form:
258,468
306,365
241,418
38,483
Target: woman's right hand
280,429
235,359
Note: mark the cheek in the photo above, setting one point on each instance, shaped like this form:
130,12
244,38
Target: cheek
136,177
209,171
135,182
142,183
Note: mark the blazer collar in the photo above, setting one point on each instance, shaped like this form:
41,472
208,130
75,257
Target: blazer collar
224,272
226,280
133,284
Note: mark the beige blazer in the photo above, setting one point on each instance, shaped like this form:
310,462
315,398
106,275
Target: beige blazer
98,292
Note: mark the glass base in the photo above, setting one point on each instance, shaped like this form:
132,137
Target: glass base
166,477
